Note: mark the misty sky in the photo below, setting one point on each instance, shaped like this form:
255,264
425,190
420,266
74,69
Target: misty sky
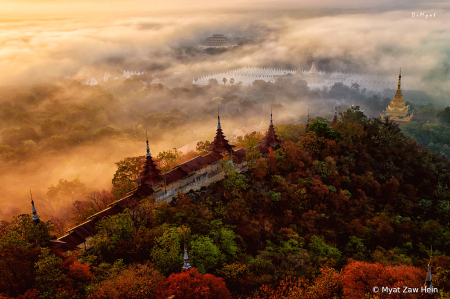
42,40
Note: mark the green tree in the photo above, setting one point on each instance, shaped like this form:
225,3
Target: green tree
319,249
235,182
322,130
444,115
111,230
249,140
169,159
49,275
35,234
204,254
128,169
166,253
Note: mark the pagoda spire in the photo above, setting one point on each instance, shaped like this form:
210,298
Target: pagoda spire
428,281
397,110
151,175
271,122
334,117
220,144
35,218
307,121
148,148
186,264
271,138
218,119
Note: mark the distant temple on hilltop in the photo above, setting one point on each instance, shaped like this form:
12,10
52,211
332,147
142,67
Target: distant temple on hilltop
397,111
217,41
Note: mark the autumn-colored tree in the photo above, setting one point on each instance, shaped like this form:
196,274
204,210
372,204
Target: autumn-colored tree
136,282
359,279
17,271
191,284
260,169
350,132
326,285
272,161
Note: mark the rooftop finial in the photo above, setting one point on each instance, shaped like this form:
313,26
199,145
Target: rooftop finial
148,148
399,78
271,122
33,209
186,264
335,111
218,119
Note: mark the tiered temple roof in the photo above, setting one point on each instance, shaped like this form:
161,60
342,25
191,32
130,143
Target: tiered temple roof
150,175
397,110
271,138
220,144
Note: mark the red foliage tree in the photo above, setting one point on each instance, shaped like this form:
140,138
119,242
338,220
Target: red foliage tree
192,284
137,282
17,269
272,162
359,279
326,285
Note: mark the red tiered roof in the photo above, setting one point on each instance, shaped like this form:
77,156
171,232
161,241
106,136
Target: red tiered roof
271,138
220,144
150,175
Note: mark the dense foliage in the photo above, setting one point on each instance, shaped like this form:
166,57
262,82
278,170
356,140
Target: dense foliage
330,214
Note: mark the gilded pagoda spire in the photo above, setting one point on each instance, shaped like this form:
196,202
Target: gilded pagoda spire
397,110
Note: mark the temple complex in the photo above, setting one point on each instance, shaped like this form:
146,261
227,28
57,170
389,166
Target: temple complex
217,41
315,78
193,174
397,111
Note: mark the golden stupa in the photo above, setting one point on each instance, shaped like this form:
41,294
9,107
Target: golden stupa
397,110
312,77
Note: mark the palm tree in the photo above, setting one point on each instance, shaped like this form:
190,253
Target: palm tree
224,80
232,81
355,86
